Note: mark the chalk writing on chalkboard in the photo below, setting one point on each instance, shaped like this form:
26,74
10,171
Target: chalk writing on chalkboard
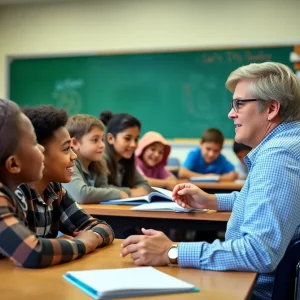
233,56
67,95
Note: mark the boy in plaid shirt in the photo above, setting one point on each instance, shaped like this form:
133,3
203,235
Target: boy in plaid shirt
30,221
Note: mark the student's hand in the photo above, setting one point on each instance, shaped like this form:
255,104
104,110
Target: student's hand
138,191
150,249
210,175
188,195
90,239
123,195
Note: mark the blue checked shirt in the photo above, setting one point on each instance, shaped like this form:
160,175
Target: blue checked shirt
265,214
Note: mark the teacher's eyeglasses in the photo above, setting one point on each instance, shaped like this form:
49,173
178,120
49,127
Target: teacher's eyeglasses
235,104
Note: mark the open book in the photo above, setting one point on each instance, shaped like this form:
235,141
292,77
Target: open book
129,282
166,206
205,179
159,195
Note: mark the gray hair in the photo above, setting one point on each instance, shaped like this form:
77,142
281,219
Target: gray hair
271,81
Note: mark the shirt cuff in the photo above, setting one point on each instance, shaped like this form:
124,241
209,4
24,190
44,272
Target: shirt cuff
80,248
224,202
104,234
189,254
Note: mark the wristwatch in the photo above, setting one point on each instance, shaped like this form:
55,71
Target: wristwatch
173,254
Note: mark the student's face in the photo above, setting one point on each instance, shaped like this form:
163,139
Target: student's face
29,153
59,157
241,154
250,124
210,151
91,146
125,142
153,154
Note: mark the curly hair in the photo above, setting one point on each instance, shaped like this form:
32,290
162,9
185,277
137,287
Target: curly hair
46,119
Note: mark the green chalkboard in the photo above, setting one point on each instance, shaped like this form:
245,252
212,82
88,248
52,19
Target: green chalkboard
179,94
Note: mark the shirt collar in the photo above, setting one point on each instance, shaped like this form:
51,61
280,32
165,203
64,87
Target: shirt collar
79,165
49,194
250,157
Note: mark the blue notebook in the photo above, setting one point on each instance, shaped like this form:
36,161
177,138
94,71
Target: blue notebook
159,195
129,282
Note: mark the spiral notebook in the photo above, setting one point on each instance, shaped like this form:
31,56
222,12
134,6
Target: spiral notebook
128,282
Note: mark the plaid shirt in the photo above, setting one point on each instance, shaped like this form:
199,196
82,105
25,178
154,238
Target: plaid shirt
31,224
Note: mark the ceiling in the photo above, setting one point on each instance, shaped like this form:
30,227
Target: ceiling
6,2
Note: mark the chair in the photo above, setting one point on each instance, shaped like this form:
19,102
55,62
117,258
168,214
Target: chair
284,283
173,165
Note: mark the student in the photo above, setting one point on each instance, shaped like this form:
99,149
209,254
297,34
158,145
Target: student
266,212
241,151
122,134
207,159
89,181
151,158
48,206
21,160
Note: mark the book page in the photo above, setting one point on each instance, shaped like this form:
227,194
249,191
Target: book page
166,206
163,191
120,201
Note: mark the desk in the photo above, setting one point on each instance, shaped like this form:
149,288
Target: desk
116,215
48,284
216,187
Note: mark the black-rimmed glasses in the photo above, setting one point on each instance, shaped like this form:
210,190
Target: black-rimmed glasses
235,103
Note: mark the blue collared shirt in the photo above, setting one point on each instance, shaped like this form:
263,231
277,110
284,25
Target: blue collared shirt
196,163
265,213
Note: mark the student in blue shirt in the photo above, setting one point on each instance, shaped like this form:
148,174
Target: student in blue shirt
241,151
266,212
207,159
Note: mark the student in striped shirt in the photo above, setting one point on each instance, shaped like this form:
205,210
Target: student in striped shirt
29,223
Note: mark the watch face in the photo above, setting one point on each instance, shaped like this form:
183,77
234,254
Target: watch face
173,253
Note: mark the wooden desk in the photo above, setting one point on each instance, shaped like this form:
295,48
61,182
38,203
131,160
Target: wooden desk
117,215
216,187
222,185
47,284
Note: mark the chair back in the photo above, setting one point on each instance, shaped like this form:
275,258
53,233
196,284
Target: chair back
173,162
284,282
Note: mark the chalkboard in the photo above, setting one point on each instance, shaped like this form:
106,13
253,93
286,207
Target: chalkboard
179,94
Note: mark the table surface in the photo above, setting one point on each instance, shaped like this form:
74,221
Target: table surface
125,211
48,284
221,185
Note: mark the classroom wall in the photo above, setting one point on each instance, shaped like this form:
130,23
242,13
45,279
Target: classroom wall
120,25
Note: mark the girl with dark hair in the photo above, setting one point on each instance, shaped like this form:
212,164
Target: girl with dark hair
122,133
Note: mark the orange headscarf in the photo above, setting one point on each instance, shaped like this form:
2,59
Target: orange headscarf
149,138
